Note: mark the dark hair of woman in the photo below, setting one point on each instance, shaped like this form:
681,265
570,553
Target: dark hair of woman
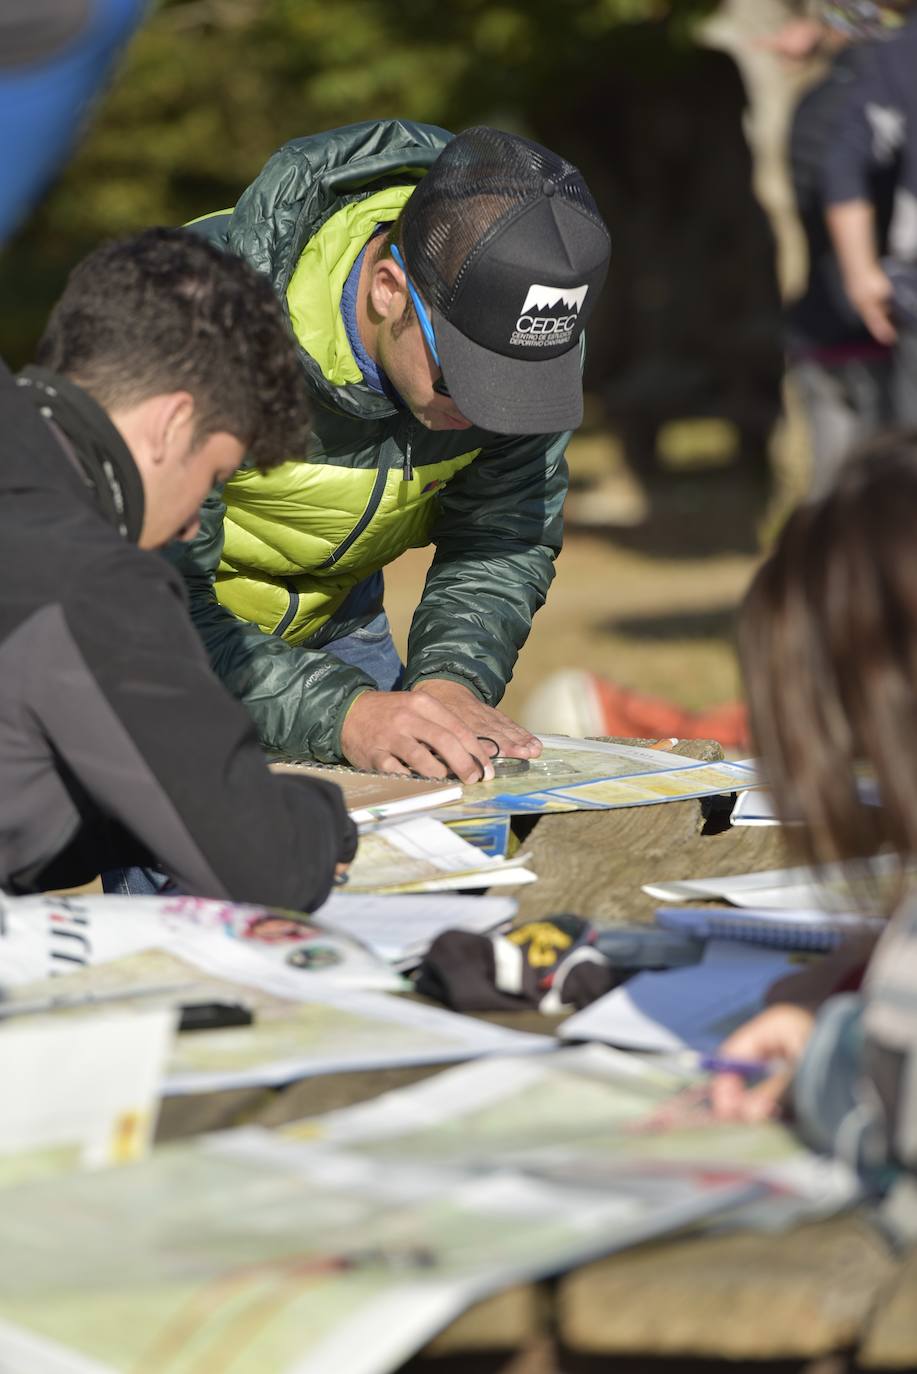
828,643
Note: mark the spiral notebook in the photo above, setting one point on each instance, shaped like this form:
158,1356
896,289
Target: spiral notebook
813,930
371,797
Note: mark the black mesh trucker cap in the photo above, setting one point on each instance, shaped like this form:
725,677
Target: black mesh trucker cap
505,242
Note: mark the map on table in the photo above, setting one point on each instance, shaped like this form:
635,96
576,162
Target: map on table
581,774
348,1249
320,1032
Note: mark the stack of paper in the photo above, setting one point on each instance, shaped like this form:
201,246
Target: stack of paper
324,1030
279,951
372,797
861,886
400,929
423,855
757,807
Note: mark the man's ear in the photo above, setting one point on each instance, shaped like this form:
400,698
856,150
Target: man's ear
387,289
173,421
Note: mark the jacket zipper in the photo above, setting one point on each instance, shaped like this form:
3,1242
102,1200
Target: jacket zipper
289,614
372,506
408,444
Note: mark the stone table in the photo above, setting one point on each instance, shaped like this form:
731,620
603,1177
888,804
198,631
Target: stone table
826,1297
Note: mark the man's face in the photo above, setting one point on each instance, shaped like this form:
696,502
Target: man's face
408,363
175,489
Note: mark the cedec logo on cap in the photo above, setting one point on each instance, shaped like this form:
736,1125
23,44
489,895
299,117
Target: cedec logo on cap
557,315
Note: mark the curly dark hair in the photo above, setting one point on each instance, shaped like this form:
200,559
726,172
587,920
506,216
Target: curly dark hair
165,311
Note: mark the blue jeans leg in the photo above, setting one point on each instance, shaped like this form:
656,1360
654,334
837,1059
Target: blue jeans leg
371,649
137,882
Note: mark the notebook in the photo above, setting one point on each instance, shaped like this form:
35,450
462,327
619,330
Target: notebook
377,796
684,1008
812,930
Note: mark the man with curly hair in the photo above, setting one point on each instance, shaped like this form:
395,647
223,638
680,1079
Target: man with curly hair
162,363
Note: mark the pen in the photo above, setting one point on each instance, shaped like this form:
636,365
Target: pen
745,1068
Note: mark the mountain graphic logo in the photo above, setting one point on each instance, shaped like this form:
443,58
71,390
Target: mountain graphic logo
549,297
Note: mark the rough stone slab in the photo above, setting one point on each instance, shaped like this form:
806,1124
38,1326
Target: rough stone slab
891,1339
594,863
537,1357
187,1116
797,1295
509,1321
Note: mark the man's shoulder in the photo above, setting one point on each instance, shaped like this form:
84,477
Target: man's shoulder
303,182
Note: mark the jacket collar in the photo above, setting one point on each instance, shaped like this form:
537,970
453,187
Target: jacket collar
104,460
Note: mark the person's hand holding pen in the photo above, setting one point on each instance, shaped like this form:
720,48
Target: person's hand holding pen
775,1041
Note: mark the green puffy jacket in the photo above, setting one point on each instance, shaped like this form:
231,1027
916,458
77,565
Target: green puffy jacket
279,552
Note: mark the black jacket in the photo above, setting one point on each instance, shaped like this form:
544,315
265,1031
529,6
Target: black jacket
877,128
822,317
117,743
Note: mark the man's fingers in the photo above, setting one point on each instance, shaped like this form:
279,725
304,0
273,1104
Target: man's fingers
878,322
517,743
432,753
399,732
447,753
510,739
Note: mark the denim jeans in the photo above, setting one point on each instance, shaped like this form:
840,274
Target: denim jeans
372,649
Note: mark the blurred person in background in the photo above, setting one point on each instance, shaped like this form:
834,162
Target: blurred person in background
828,638
438,288
877,132
690,323
843,373
162,362
54,56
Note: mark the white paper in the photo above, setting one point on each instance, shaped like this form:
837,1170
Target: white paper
336,1032
783,888
48,936
401,928
757,807
233,1252
754,808
687,1008
79,1091
423,855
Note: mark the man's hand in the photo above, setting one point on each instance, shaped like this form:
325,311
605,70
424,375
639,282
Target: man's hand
486,722
779,1035
796,41
852,226
871,295
413,732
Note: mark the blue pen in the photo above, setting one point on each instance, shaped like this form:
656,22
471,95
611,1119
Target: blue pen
746,1068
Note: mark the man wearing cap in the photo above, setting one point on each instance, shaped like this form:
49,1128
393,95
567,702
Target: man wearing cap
438,288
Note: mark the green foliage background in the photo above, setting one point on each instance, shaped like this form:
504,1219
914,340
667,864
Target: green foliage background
209,88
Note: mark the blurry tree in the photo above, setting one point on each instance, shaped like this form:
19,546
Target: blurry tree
210,88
